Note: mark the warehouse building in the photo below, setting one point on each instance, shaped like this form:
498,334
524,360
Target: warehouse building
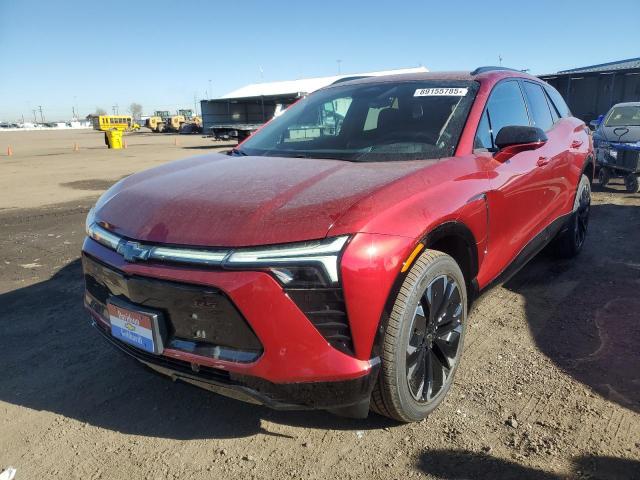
592,91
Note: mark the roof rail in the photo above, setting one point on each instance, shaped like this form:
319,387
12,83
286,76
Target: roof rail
480,70
346,79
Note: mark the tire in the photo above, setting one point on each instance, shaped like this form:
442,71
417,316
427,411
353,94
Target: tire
631,183
422,341
604,176
570,241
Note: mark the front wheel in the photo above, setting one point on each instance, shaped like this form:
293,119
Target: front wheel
631,183
423,339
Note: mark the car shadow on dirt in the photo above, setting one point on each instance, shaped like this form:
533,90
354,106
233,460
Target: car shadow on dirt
462,464
53,360
584,313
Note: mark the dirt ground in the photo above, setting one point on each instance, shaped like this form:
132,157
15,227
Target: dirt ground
548,388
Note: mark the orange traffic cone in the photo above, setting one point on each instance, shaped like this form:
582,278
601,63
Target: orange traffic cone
9,151
124,144
175,141
76,147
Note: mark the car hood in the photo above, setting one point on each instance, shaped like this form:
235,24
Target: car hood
630,134
220,200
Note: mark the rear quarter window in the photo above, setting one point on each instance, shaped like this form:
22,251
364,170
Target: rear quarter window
538,106
557,101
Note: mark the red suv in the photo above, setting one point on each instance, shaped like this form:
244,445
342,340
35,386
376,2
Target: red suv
329,260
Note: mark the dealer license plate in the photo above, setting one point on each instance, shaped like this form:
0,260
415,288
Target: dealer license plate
139,329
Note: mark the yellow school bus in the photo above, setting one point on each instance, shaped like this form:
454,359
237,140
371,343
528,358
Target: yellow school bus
114,122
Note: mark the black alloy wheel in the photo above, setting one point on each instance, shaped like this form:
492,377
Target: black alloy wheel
433,347
422,339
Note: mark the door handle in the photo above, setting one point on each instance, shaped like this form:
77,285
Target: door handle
576,144
542,161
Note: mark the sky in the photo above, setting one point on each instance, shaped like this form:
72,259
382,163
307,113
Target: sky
59,54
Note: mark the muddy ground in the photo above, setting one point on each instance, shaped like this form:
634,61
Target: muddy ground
549,385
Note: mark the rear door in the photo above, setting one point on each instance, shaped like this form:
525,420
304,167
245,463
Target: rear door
553,158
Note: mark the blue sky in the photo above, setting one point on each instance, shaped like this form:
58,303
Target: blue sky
162,53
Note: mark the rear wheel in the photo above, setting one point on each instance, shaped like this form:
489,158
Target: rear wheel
423,339
570,241
631,183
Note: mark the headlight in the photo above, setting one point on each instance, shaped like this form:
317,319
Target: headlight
298,265
89,220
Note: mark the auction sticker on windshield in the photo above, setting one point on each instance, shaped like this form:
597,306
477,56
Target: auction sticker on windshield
441,92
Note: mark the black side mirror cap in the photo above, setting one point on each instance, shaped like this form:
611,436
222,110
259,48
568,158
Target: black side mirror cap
519,135
514,139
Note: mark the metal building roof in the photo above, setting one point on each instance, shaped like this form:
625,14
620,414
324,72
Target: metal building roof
606,67
306,85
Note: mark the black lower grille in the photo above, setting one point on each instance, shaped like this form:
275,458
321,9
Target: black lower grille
325,308
206,373
199,319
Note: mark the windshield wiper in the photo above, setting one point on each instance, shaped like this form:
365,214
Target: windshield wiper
237,151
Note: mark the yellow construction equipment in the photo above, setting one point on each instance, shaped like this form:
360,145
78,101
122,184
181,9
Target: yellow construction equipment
174,122
156,123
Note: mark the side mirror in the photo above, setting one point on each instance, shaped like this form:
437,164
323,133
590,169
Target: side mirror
514,139
595,123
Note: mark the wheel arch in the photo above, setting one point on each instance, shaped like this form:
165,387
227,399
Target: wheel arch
589,168
456,240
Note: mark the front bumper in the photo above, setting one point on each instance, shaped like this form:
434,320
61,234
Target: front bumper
288,396
294,365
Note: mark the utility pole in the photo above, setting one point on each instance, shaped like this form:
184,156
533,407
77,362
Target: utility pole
35,119
115,109
41,115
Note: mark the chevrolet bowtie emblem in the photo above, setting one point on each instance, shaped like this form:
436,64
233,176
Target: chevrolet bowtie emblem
133,251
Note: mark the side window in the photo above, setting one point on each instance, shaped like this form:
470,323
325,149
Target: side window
483,134
505,107
558,101
538,106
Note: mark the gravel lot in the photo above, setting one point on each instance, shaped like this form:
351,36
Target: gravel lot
549,385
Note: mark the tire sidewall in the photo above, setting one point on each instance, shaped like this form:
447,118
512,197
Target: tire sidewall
631,183
444,265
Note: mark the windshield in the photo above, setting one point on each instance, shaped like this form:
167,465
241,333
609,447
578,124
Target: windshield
370,122
626,116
